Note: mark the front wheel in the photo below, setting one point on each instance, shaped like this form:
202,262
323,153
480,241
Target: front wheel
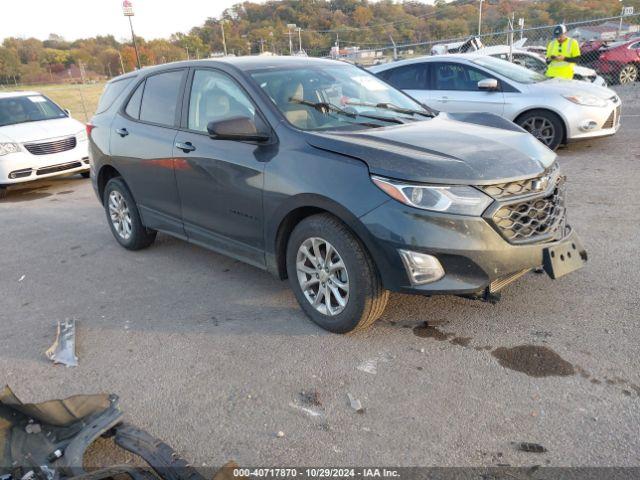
628,74
332,275
124,218
545,126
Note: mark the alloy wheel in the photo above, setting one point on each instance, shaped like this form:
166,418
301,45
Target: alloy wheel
628,74
120,215
541,128
322,276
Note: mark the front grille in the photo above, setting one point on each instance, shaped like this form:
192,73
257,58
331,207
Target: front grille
533,220
610,120
520,187
58,168
47,148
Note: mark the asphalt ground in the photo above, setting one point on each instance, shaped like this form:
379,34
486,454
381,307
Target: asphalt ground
215,357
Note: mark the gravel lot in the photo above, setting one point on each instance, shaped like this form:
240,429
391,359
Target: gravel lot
212,355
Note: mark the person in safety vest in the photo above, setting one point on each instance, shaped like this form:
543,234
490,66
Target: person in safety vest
562,54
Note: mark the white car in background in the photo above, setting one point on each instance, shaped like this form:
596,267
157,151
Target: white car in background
555,111
38,139
534,61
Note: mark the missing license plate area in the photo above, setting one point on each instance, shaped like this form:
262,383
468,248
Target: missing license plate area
564,258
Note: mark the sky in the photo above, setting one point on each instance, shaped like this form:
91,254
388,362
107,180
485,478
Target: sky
75,19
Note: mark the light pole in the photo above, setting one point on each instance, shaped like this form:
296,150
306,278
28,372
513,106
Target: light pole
300,37
224,41
290,27
480,18
127,10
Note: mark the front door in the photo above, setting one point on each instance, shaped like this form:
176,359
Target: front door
220,181
455,90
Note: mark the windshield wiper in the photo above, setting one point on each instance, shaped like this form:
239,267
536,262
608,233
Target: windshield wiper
394,108
326,107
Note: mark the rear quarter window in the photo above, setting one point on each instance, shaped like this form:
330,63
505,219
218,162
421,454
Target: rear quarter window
112,91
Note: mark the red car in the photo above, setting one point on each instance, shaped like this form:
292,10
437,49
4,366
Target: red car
619,62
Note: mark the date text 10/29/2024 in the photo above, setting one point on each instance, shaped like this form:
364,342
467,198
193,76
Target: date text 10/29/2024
316,472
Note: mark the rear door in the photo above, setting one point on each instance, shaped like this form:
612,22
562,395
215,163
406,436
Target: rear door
412,79
142,138
455,89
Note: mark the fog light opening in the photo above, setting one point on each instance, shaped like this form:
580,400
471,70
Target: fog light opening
421,268
588,125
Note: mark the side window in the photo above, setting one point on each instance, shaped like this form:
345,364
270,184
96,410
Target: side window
133,107
161,97
111,91
408,77
455,76
635,46
529,62
214,97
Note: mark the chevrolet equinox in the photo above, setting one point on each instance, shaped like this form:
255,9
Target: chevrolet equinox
319,172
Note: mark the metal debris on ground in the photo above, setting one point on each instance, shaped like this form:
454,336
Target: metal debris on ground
355,403
63,349
22,278
530,447
280,434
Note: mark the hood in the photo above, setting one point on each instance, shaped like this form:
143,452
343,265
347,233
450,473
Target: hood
42,130
469,149
572,87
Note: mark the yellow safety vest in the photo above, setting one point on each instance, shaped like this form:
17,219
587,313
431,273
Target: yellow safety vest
568,49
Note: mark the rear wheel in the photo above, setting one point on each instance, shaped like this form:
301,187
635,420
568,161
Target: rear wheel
123,216
332,275
628,74
545,126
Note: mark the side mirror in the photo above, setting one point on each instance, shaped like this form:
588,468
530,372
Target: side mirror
488,84
236,128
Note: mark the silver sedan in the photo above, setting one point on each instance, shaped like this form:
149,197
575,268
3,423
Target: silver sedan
555,111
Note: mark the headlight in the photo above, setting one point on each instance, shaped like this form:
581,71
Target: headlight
457,199
7,148
587,100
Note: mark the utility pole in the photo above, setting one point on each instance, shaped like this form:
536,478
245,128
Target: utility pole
127,10
300,37
224,41
290,28
121,62
480,18
395,50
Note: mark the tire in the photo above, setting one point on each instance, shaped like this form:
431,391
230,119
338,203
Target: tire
628,74
365,299
128,229
86,174
546,126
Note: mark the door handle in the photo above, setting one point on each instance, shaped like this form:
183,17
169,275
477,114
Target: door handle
186,147
123,132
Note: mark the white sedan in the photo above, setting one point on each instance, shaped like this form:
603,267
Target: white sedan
555,111
38,139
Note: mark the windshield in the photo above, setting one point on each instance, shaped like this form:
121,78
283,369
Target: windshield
28,108
511,71
336,96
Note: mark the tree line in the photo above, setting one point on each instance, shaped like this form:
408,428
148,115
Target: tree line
251,28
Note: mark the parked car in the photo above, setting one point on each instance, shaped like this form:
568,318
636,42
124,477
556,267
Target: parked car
555,111
618,61
536,62
38,139
318,171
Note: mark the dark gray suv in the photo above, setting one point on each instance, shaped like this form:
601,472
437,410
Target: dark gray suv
318,171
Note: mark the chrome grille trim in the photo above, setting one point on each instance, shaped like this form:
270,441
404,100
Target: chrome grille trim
55,146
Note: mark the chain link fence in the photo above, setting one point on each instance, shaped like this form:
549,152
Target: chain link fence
610,48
